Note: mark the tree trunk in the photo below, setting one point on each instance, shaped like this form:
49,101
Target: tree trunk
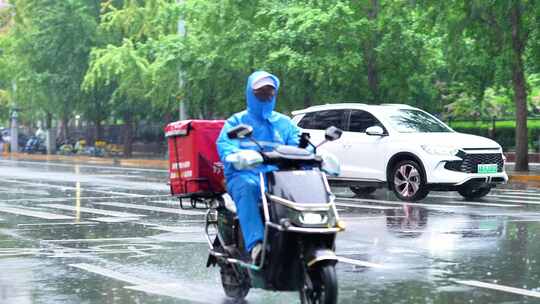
128,135
50,141
370,55
308,92
98,135
520,92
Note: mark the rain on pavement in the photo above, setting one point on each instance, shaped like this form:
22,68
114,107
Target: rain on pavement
102,234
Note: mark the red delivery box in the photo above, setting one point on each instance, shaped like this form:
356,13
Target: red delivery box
194,165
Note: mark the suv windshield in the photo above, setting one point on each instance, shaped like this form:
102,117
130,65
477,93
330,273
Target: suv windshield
415,121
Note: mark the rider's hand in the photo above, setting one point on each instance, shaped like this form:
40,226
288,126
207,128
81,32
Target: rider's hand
330,164
245,159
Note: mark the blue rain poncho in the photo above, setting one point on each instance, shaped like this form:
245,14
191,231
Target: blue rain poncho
269,129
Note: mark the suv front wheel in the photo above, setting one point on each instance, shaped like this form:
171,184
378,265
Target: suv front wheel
408,182
472,192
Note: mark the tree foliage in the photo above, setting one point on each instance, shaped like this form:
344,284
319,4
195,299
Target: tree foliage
130,59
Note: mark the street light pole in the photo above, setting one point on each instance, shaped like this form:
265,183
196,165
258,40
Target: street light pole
182,108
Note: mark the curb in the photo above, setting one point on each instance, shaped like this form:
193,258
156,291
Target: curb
78,159
523,178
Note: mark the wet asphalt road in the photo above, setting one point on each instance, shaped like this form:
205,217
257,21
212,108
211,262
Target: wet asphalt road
95,234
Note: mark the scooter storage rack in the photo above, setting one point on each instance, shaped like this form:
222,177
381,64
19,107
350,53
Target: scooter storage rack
195,170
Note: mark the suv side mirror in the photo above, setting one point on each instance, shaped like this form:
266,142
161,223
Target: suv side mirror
240,132
332,133
375,131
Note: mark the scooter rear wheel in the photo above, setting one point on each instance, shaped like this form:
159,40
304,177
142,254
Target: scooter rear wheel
322,288
235,281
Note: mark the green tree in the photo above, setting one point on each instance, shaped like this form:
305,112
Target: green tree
502,31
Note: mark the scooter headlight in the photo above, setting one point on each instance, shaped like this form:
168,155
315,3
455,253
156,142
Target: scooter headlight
313,218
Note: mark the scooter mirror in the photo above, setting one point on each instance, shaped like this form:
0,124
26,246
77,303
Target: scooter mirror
333,133
240,132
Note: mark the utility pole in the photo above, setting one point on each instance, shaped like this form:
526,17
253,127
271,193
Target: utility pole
182,108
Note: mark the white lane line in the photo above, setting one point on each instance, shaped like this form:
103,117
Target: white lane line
520,291
365,206
188,291
192,292
87,166
114,219
92,210
515,196
523,202
61,199
487,203
93,240
178,229
377,201
170,203
32,213
151,208
110,273
524,191
57,224
362,263
34,184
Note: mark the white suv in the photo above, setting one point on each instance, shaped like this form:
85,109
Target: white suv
406,149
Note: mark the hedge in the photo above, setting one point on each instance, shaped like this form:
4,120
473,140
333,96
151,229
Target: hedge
504,132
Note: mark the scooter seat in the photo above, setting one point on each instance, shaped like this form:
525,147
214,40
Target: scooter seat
229,203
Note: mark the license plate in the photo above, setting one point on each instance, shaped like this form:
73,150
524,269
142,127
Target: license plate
486,169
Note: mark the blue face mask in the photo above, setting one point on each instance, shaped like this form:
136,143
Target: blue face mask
260,108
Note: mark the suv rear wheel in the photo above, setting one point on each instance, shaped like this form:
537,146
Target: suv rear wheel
408,182
474,192
362,190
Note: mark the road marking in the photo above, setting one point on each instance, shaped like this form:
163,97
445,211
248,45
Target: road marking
191,292
61,199
92,210
365,206
362,263
177,229
151,208
172,203
517,191
110,273
515,196
114,219
504,288
32,213
87,166
93,240
34,184
57,224
376,201
523,202
487,203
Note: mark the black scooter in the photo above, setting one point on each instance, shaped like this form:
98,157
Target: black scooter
301,222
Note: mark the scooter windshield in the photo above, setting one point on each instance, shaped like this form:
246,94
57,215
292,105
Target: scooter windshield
299,186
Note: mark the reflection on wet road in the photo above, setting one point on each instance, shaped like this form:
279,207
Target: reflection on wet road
92,234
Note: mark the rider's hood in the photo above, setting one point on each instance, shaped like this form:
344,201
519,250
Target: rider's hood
257,108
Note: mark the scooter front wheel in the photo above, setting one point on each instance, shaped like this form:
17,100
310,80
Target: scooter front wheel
235,281
320,285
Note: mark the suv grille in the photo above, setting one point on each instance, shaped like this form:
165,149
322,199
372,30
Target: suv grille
470,162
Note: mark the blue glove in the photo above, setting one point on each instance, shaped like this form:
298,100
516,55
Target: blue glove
244,159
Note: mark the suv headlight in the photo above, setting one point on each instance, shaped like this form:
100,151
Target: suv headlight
440,150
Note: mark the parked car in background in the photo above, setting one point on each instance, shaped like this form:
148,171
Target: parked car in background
406,149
